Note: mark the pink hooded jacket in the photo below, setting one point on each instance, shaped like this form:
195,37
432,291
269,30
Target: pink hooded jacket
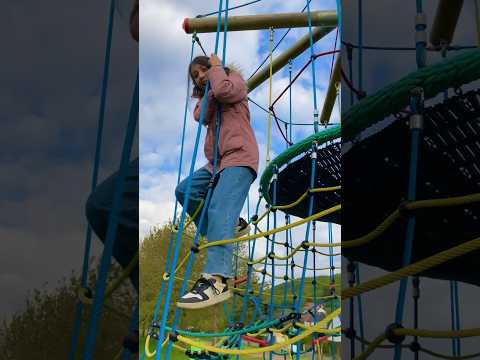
237,145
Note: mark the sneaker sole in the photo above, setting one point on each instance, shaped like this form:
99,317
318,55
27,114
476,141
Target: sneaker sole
201,305
243,232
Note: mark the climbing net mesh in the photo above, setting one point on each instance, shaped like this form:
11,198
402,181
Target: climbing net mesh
282,306
281,323
405,100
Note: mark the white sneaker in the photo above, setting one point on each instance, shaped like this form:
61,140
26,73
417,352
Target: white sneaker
207,291
242,228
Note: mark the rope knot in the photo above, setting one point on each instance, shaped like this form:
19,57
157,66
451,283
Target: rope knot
391,336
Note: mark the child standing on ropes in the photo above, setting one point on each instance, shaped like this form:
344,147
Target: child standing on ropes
237,167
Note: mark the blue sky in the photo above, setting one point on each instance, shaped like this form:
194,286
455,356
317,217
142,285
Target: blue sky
164,56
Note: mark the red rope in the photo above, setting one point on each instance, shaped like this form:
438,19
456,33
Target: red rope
251,339
333,57
359,94
239,281
302,69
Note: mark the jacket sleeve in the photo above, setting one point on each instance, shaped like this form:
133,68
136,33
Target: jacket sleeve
208,111
227,89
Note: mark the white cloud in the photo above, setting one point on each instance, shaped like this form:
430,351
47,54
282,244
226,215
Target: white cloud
164,53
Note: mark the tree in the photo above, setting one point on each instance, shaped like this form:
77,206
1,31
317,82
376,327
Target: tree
43,329
153,257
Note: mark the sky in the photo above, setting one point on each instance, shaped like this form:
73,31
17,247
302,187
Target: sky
164,56
49,96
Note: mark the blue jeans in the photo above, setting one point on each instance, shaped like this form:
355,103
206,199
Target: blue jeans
226,203
98,208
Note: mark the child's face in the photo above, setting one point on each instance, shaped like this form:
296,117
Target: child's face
199,74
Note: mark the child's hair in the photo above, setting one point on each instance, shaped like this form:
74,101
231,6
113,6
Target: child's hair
198,92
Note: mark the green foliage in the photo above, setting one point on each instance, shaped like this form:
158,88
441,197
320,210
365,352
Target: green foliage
153,256
43,329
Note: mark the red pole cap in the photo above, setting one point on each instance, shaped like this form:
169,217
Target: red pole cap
185,26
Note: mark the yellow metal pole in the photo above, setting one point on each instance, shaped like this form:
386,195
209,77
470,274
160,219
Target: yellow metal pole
446,18
279,62
257,22
331,93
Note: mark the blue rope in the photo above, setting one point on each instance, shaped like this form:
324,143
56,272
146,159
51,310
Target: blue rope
339,18
181,225
360,308
312,56
170,243
188,269
457,315
415,139
290,100
183,216
88,239
249,270
307,233
360,46
112,228
228,9
131,329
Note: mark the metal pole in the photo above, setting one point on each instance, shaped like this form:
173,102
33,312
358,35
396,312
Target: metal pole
446,18
477,18
264,21
331,93
282,60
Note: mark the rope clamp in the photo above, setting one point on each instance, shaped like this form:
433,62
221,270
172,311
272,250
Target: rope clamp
173,337
350,333
415,346
155,325
305,245
416,121
390,333
403,209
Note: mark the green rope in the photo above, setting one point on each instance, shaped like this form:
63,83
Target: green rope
261,325
293,151
453,73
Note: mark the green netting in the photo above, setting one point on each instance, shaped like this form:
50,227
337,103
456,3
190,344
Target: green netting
293,151
452,73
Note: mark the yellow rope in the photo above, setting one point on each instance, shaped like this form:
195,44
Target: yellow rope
371,348
279,229
149,353
316,328
195,214
88,300
296,202
413,269
412,206
437,334
266,233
